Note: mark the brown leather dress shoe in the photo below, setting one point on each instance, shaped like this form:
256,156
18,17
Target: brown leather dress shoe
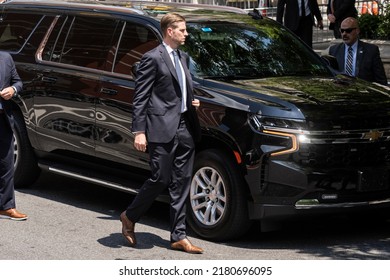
128,229
186,246
13,214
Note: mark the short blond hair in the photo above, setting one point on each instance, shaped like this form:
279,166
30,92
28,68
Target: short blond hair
170,20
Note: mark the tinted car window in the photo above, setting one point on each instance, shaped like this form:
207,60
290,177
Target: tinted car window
238,50
135,41
81,41
15,29
55,35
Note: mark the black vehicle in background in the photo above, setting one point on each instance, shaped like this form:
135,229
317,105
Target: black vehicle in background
283,136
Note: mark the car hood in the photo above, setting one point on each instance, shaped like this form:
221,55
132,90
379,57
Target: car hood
338,102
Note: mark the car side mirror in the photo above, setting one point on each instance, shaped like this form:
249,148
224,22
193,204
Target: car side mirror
134,69
331,61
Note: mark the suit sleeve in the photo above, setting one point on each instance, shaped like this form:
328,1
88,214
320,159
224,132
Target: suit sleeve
280,11
15,79
143,89
328,8
316,10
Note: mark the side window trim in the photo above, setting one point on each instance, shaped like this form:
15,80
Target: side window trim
38,55
135,40
3,14
32,32
66,37
42,46
117,46
67,24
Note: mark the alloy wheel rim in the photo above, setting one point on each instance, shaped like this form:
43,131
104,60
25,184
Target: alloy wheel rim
208,196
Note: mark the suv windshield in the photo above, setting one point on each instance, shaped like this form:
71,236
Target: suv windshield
226,50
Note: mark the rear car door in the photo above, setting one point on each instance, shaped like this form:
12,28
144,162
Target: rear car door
114,103
69,77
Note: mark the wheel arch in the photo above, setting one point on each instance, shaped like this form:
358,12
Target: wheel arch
222,151
26,167
215,139
218,140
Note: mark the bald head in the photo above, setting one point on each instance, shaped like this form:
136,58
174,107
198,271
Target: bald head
349,30
350,21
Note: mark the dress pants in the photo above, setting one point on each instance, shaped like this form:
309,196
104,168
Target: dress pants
7,194
171,167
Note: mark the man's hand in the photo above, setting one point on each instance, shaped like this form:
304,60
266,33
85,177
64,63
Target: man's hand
331,18
320,24
7,93
140,142
196,103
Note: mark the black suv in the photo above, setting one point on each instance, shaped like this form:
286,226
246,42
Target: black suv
283,136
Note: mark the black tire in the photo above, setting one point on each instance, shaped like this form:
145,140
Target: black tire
26,167
226,198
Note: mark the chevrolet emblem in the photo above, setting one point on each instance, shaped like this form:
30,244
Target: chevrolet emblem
373,135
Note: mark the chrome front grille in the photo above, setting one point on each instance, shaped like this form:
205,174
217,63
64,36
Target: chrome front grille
344,148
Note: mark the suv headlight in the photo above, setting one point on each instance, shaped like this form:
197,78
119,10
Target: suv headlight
279,136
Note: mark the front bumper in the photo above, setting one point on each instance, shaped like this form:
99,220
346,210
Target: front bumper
282,212
287,189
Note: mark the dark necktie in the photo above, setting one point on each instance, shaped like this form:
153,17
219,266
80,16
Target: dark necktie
303,10
348,64
181,81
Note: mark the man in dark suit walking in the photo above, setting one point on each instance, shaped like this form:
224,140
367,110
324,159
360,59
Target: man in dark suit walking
299,17
165,122
357,58
10,85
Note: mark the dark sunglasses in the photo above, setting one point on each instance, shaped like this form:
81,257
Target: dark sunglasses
348,30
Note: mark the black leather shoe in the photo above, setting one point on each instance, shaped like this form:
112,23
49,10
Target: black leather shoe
128,229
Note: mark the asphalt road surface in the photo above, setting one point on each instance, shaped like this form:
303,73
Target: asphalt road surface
70,220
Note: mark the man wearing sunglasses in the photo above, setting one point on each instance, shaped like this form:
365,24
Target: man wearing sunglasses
357,58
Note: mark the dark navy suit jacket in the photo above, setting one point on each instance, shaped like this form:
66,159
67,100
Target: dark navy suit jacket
291,13
157,102
368,66
8,77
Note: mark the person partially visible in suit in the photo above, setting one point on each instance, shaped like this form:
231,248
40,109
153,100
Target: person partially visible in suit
10,85
299,16
337,11
357,58
165,123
